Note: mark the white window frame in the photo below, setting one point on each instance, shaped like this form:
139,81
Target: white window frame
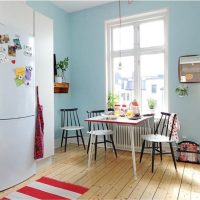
110,54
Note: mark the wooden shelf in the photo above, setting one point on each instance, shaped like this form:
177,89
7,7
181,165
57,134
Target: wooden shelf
61,87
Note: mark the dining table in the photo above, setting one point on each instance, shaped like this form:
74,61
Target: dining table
142,121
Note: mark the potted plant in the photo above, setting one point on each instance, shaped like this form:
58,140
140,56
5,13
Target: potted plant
182,90
152,103
112,100
62,66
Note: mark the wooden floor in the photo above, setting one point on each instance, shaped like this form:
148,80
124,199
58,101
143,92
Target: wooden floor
111,178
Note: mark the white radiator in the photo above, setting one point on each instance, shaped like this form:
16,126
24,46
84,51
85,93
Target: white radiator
122,137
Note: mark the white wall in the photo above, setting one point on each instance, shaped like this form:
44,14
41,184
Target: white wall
21,17
17,15
44,76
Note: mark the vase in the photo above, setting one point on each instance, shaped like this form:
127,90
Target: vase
58,79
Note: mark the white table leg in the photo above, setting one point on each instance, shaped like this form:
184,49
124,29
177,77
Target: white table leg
90,153
131,132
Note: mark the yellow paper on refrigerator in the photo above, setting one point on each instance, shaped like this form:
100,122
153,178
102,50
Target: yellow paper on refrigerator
20,71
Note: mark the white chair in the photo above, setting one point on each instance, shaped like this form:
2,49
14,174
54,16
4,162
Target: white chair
70,122
99,129
161,135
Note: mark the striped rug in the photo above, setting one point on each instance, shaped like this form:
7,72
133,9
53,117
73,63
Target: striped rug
47,188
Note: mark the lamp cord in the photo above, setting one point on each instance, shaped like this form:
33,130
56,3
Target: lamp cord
120,25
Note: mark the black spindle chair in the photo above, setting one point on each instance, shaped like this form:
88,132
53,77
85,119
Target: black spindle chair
70,122
161,135
99,129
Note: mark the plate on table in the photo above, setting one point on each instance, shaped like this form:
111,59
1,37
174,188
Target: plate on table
107,117
111,117
148,115
135,118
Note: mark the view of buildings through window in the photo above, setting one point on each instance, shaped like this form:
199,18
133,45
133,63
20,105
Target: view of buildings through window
140,46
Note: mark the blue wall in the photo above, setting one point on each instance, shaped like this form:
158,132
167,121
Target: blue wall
61,48
85,32
87,35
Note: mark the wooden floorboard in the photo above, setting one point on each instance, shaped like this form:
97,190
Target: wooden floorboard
112,178
186,183
195,194
150,190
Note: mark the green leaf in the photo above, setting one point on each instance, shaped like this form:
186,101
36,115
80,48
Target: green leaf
181,90
152,103
63,65
112,100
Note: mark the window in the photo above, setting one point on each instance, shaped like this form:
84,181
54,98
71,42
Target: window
140,47
153,88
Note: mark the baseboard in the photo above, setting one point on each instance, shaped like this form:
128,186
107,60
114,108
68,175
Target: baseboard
74,141
57,143
71,141
165,146
43,163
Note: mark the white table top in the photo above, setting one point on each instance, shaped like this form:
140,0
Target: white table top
118,120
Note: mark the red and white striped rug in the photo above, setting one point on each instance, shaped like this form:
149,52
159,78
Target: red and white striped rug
47,188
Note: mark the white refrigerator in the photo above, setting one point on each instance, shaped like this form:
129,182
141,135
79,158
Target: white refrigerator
17,107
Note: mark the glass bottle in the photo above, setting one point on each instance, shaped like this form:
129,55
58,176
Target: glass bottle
117,109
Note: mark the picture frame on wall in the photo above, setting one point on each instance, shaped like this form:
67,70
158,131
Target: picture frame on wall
189,69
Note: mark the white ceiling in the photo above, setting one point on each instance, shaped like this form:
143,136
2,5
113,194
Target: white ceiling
72,6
